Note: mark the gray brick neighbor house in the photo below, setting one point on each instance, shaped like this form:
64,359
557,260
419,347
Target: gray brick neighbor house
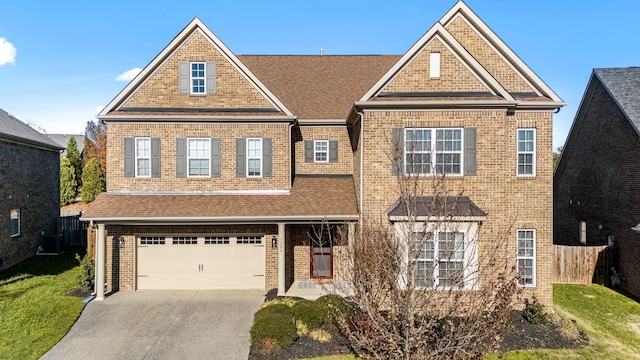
29,189
597,181
220,164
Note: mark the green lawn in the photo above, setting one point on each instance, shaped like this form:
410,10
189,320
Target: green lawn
35,310
610,320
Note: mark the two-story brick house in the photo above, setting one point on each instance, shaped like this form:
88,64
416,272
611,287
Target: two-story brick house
220,165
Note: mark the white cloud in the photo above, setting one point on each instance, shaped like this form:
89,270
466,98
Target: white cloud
129,74
7,52
99,108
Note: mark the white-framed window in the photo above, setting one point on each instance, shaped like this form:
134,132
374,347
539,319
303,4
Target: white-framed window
216,240
143,157
321,150
247,240
152,240
430,151
199,157
198,77
185,240
254,157
15,222
526,257
439,259
434,65
526,152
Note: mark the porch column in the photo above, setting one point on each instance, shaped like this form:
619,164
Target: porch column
281,258
100,255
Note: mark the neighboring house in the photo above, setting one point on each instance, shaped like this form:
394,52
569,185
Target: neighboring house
29,189
221,165
63,140
597,184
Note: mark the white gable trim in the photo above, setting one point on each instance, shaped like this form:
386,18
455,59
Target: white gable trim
452,45
174,45
477,23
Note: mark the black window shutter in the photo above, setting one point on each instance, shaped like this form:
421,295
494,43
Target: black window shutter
129,157
215,158
397,151
308,151
184,77
333,151
181,158
266,158
241,158
156,169
470,135
211,77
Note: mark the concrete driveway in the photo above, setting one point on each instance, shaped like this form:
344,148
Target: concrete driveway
163,325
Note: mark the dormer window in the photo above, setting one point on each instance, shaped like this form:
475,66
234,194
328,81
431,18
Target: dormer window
198,78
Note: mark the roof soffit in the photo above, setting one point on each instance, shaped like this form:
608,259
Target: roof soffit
194,26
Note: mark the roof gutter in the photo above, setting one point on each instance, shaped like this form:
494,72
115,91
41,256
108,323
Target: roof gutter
196,118
221,219
460,104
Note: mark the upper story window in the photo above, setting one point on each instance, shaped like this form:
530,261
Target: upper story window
526,152
526,257
198,78
254,157
199,157
321,151
428,151
15,222
143,157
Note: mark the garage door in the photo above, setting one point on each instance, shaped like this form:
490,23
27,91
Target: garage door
201,262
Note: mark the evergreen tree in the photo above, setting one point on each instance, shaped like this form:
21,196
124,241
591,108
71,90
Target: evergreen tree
74,158
68,184
93,181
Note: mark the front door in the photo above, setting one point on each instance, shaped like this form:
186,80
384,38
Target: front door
321,241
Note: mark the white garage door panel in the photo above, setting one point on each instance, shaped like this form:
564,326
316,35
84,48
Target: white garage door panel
201,266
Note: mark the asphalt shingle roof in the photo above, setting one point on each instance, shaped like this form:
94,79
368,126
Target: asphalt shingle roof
624,86
316,197
12,128
436,206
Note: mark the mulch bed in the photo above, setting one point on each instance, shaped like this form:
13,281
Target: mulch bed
79,293
518,334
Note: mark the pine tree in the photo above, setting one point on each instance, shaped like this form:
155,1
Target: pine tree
74,158
93,181
68,184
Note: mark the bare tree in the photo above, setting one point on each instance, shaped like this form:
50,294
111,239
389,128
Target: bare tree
427,280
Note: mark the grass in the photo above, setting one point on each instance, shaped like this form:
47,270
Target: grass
36,312
610,320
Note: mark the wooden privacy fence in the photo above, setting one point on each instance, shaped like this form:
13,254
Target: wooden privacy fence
581,264
74,231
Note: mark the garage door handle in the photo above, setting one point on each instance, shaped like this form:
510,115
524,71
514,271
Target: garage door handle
143,275
258,275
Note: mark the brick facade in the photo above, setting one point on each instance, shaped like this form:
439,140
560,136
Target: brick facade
600,185
495,64
302,133
30,182
511,202
454,76
233,89
281,179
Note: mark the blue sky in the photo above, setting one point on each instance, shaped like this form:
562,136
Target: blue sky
68,54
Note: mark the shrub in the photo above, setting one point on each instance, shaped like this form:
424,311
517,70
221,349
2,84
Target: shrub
87,272
320,335
92,180
309,313
273,323
333,308
68,183
534,311
302,328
